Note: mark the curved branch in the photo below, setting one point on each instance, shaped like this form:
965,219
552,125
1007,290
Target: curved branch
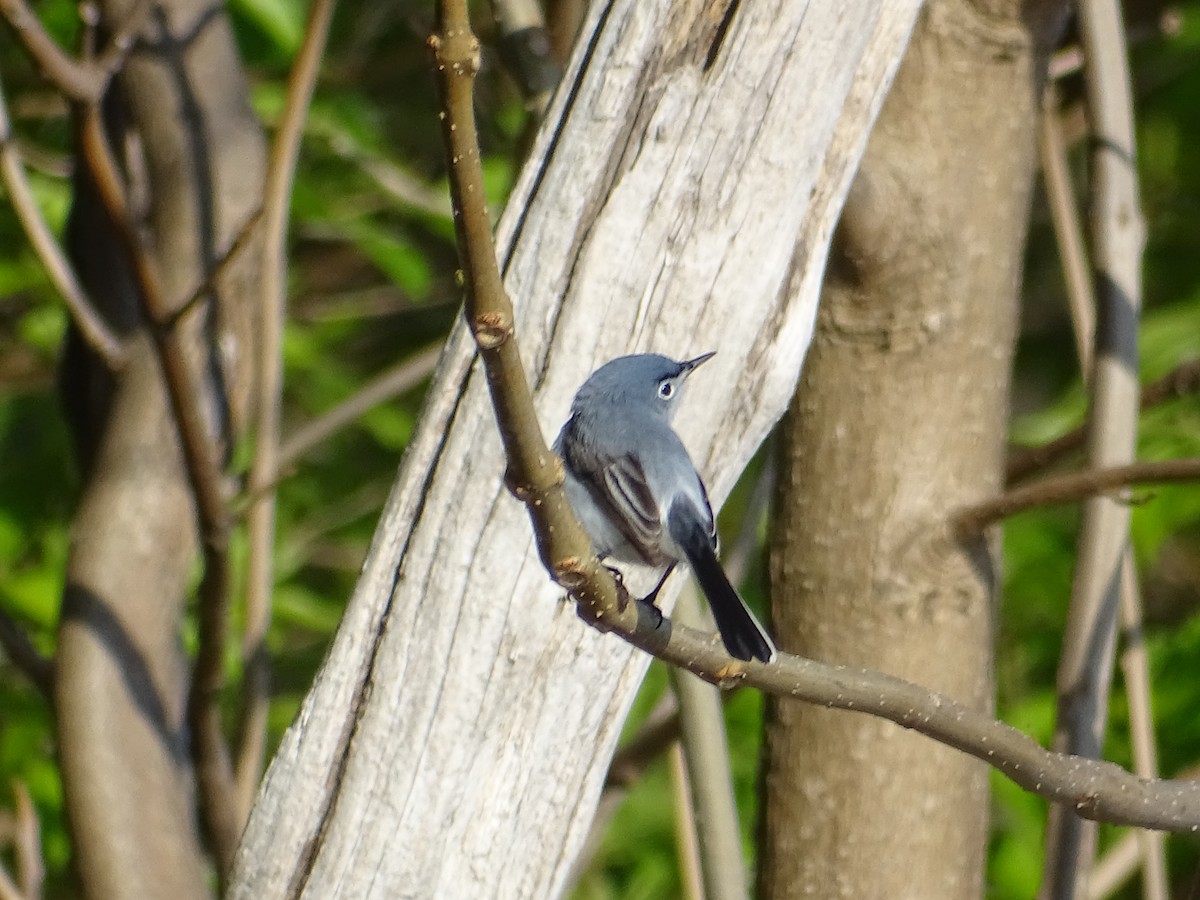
91,324
1093,788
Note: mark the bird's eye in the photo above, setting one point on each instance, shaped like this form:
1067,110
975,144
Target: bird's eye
666,390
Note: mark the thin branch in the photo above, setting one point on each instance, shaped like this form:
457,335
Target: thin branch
1182,380
64,71
404,376
1121,861
687,840
264,468
1135,666
1116,866
21,653
737,560
91,324
657,734
215,272
1118,235
400,185
706,752
210,752
83,81
8,887
1069,488
1093,788
31,869
535,474
1068,230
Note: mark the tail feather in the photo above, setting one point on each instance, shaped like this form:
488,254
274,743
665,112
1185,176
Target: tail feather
741,632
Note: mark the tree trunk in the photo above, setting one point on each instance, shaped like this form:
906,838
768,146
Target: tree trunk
122,677
901,417
680,199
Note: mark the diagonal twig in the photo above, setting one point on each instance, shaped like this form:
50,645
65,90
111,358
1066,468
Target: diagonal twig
22,654
1093,788
402,377
1135,667
1182,380
84,81
91,324
264,468
1070,487
1068,231
31,869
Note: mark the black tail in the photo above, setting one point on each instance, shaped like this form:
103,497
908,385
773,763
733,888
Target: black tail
744,638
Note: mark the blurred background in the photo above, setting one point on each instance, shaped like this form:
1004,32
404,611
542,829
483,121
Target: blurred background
372,286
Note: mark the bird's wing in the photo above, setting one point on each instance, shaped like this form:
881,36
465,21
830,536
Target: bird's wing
630,493
619,485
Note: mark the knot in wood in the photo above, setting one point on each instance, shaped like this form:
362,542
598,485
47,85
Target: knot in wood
729,676
518,487
492,329
570,573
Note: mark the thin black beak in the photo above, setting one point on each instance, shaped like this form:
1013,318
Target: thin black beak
688,367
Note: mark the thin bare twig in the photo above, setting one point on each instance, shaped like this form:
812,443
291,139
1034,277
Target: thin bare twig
1135,666
210,278
263,470
404,376
1117,231
1071,487
22,654
687,839
91,324
84,81
210,752
1068,231
706,752
656,735
1116,866
1182,380
8,887
1122,860
31,869
1093,788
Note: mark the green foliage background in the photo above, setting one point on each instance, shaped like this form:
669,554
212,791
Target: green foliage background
372,281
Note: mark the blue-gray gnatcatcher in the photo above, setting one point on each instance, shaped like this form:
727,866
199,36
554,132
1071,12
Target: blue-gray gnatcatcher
634,488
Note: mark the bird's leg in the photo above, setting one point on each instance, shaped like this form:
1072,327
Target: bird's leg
622,591
652,597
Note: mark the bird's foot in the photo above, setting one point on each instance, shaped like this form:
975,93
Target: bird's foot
623,595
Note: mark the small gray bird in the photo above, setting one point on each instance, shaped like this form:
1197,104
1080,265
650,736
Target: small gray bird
634,488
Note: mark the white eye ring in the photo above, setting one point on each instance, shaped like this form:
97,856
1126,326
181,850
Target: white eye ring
666,390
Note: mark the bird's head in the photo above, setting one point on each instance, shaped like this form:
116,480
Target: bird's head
644,381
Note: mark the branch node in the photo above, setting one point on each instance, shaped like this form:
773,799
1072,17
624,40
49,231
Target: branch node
571,573
491,329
